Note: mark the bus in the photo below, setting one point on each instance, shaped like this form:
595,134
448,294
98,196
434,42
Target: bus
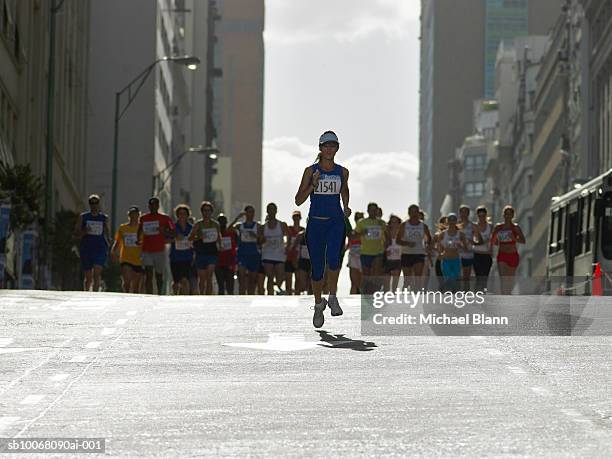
580,233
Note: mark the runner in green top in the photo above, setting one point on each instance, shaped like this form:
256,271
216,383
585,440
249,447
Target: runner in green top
372,233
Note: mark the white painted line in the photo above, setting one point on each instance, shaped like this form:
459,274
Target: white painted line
582,420
477,337
93,344
517,370
7,421
542,391
13,350
495,352
5,341
79,358
351,301
570,412
34,420
275,302
32,399
108,331
121,322
35,367
58,377
278,342
130,313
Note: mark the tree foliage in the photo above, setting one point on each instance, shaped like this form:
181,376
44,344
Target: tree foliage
66,274
25,191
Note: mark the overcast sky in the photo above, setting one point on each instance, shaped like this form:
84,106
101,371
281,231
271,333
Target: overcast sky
351,66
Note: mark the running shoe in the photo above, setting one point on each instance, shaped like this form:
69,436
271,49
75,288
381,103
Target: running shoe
318,319
334,305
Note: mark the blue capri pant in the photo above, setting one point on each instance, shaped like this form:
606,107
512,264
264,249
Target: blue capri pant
451,269
324,239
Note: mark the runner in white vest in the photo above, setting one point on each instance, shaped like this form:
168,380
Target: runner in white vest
273,251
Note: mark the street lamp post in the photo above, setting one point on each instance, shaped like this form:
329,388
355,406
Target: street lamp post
191,62
210,151
55,8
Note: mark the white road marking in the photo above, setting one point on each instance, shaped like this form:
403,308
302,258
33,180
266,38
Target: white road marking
542,391
570,412
108,331
83,304
276,342
66,389
121,322
5,341
276,302
582,420
130,313
14,350
351,302
495,352
35,367
7,421
93,344
79,358
477,337
58,377
516,370
32,399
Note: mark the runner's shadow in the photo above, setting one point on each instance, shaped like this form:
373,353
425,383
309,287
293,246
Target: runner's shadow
342,342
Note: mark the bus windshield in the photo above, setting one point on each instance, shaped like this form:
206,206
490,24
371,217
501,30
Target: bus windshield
606,235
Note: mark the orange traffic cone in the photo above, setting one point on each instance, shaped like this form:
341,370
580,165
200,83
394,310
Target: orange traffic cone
597,288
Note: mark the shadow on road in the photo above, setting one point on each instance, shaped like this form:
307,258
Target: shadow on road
341,341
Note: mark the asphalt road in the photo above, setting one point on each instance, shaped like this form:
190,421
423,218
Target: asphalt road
249,376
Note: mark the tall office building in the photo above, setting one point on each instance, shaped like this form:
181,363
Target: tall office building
238,102
24,98
459,42
503,20
226,105
127,38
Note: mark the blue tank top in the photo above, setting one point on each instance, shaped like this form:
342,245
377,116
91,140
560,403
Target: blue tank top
182,250
325,200
94,226
247,242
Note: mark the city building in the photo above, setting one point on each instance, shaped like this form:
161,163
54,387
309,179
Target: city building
550,142
128,44
598,16
529,52
24,93
459,42
471,161
188,178
44,56
238,103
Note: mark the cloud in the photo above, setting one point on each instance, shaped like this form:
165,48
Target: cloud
291,22
388,178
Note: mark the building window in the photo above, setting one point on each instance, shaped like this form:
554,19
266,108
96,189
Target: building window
529,225
474,189
474,162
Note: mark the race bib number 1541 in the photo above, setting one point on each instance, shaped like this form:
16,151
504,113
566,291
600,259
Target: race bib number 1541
328,184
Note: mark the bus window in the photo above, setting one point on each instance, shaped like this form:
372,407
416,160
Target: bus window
552,242
579,230
588,223
606,232
560,227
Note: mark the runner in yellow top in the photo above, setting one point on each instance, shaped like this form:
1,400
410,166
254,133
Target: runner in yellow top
372,233
127,249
